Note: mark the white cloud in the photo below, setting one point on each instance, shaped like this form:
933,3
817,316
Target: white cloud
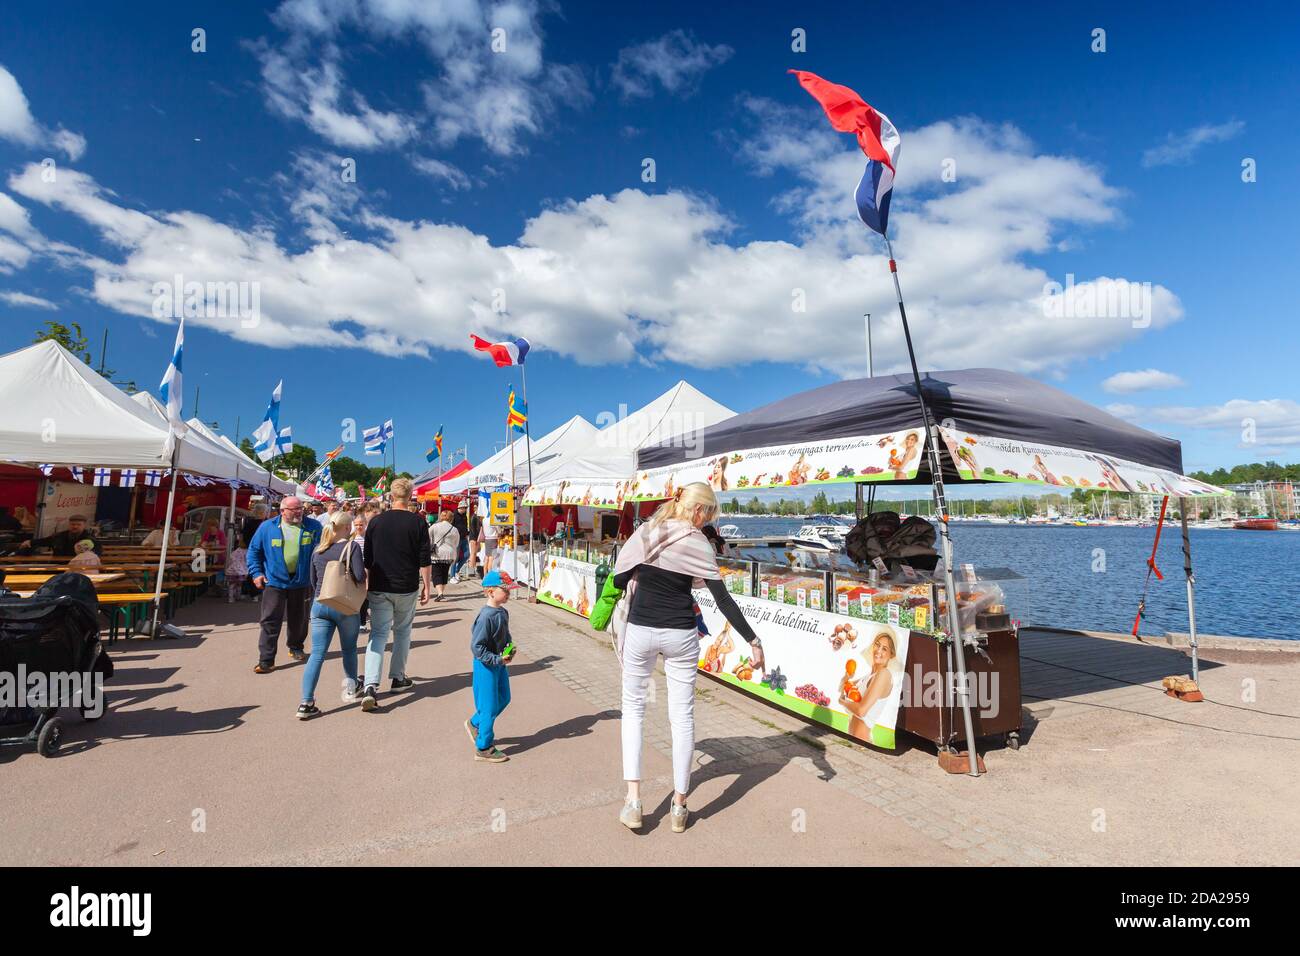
18,125
1254,424
660,277
1179,148
14,219
676,61
315,95
500,96
22,299
1125,383
13,255
437,169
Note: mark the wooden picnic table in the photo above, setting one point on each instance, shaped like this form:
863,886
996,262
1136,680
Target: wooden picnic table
17,580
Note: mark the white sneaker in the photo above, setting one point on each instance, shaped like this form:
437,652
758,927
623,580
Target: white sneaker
678,817
630,816
351,690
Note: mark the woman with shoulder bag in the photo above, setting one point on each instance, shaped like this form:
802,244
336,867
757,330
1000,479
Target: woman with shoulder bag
444,541
658,567
337,593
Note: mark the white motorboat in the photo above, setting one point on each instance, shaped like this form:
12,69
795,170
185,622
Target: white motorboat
729,531
820,537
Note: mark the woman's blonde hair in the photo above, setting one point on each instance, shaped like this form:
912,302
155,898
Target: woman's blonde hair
338,528
686,502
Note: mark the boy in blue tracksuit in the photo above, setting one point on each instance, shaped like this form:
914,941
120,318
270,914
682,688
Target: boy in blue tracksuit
493,649
279,565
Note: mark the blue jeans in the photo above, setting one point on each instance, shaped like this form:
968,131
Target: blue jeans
324,620
491,696
462,555
389,613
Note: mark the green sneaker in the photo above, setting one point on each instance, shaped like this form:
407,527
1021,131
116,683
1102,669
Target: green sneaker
491,756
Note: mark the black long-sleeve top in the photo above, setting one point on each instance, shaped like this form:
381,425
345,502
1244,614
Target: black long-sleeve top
664,599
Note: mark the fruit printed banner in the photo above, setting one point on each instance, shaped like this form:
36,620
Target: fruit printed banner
515,563
599,494
567,583
843,672
894,456
1007,459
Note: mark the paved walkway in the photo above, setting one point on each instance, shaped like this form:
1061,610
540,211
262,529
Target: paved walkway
200,761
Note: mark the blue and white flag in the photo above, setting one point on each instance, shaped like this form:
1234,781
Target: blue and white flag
325,483
103,477
126,478
170,389
377,438
47,470
78,474
270,439
153,478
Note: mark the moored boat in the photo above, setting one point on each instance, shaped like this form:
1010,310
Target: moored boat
1256,524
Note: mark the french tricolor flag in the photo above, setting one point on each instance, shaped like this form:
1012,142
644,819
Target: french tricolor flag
849,113
503,353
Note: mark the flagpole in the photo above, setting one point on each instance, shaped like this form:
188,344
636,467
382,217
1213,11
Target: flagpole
941,508
167,534
528,438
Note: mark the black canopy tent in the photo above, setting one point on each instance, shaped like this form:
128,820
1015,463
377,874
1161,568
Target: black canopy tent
983,400
988,402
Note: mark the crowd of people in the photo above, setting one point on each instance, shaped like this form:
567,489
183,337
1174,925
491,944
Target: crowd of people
326,568
320,567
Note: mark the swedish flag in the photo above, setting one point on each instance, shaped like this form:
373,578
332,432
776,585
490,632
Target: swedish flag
516,412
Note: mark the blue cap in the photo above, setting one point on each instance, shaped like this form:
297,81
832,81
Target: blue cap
497,579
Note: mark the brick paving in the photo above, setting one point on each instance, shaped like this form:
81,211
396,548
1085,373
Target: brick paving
736,732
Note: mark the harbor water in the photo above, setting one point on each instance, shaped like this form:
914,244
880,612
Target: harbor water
1091,578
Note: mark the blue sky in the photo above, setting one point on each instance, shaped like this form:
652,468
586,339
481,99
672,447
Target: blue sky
520,173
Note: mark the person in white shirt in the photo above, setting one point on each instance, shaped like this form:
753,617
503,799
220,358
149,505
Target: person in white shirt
155,537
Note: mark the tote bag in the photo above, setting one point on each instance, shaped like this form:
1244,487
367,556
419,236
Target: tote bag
338,589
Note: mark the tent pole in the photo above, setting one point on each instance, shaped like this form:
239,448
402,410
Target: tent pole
1191,590
162,555
941,508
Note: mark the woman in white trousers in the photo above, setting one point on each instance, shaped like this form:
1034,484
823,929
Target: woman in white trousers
657,569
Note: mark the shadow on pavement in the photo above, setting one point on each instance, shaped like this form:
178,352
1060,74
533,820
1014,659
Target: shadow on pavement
569,729
731,757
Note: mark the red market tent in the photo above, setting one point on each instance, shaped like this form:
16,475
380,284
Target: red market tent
427,487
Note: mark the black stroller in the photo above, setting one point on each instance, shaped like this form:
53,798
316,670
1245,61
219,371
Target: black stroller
50,639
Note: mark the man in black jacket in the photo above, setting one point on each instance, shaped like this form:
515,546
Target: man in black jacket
462,528
64,543
397,557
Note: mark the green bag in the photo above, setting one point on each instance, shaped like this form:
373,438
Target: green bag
603,609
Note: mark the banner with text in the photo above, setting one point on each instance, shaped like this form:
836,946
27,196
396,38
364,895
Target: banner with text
842,672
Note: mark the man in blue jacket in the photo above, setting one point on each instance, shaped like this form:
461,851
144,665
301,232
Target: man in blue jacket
279,565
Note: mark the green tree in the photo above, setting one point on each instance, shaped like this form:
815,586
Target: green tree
69,336
346,469
298,463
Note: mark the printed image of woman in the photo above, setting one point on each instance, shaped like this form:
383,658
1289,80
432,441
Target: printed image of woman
874,687
799,473
1043,473
718,476
1110,475
910,453
715,658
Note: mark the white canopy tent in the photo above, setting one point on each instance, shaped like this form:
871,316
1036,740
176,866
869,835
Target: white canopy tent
567,440
598,475
237,465
59,411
